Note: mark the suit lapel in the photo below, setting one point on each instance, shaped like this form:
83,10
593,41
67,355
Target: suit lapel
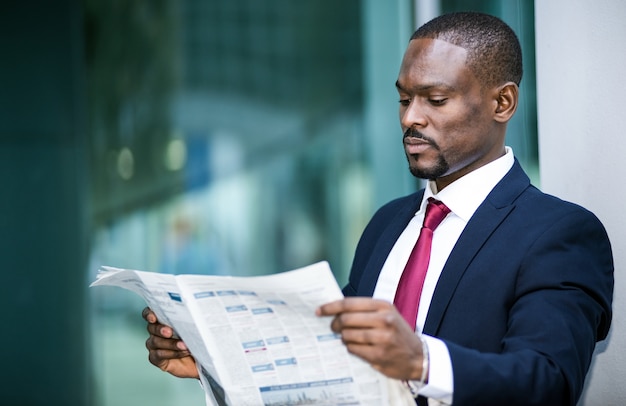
483,223
385,243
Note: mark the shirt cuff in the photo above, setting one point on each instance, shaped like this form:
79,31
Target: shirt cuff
440,379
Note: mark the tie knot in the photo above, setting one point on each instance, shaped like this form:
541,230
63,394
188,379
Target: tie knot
436,211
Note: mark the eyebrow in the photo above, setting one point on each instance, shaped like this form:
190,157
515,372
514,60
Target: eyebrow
426,87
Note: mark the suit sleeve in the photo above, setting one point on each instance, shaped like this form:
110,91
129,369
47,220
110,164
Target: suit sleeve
561,308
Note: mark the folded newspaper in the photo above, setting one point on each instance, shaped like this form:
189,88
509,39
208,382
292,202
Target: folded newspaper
257,341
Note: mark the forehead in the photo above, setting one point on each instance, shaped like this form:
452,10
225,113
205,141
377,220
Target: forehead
433,62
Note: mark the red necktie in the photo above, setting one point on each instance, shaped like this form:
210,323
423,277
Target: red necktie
410,286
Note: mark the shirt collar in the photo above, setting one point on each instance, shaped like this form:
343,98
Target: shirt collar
464,195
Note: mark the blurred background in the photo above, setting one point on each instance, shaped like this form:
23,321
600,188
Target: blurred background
197,136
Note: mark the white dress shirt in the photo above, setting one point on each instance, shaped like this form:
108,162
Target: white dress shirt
462,197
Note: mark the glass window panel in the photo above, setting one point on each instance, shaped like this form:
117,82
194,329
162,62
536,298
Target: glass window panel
244,138
225,138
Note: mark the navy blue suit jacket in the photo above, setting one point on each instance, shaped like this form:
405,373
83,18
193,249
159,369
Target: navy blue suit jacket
522,299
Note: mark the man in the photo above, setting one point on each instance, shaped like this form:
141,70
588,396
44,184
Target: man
519,284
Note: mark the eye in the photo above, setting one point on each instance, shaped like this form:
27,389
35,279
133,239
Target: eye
405,102
438,101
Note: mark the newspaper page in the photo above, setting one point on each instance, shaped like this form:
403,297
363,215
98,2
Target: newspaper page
257,341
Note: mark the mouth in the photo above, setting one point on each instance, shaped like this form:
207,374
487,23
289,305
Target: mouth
414,148
414,145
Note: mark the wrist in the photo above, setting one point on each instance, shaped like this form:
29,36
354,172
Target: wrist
415,385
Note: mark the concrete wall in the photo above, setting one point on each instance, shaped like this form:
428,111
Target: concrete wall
581,64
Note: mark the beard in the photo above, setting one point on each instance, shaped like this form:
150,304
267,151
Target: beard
439,169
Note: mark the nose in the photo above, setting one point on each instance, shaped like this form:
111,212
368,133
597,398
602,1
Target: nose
412,115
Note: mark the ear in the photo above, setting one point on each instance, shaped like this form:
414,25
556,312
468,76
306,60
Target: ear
506,102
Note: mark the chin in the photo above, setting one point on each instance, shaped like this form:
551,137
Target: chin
429,173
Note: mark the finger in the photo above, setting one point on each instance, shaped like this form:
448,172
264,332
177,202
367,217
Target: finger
385,319
374,355
148,315
363,351
364,320
352,304
160,358
161,330
329,309
365,336
154,343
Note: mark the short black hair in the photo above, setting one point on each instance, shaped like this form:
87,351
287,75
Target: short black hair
493,49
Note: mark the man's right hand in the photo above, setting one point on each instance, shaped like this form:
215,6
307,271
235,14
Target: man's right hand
166,352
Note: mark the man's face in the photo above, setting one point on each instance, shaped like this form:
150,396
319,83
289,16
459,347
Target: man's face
445,114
